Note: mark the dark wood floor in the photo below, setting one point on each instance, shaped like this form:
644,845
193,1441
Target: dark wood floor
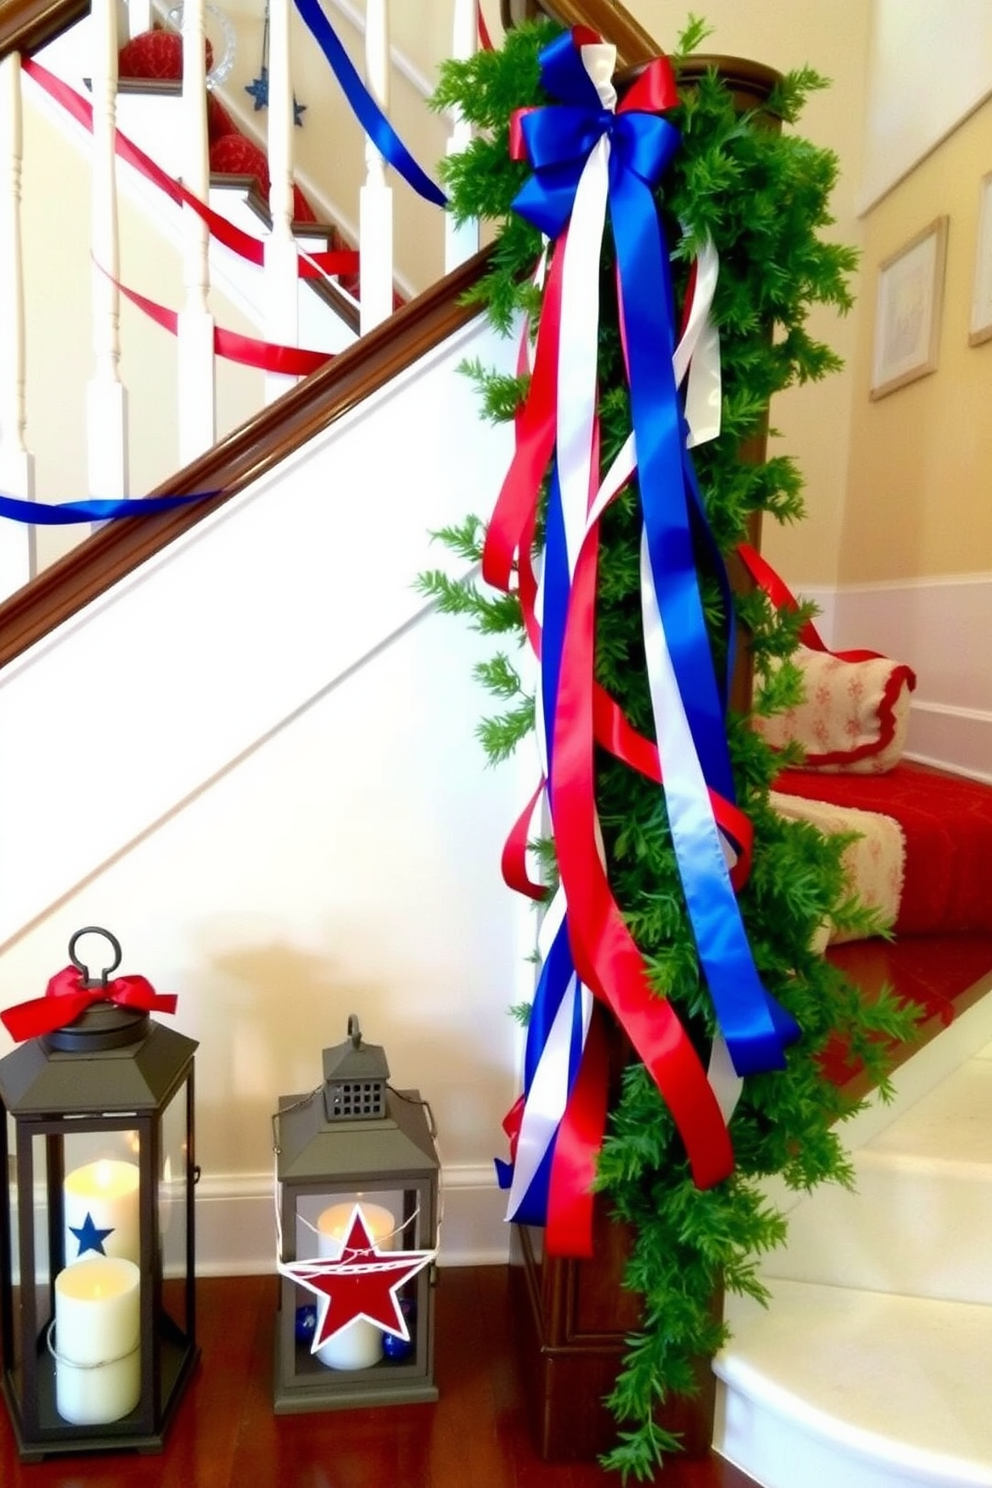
226,1435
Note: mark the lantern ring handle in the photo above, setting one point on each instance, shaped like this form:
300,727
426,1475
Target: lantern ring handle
101,979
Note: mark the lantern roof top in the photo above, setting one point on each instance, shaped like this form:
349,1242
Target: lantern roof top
38,1081
311,1148
355,1059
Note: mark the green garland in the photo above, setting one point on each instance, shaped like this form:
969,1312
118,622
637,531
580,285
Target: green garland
763,198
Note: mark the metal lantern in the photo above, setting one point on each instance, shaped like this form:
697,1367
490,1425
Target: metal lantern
96,1224
357,1172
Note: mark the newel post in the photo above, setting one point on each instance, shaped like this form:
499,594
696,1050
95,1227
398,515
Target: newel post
573,1318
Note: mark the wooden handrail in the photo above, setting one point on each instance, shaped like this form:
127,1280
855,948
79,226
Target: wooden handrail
26,25
634,45
246,454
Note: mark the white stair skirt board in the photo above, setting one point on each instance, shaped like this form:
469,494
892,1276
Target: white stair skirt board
871,1365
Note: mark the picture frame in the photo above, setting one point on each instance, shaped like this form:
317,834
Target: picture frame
908,308
980,328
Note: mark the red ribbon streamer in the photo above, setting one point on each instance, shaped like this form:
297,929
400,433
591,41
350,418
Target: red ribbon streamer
485,40
606,955
314,266
783,598
67,996
295,361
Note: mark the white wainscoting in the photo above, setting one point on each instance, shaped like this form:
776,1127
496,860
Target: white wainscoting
235,1222
942,628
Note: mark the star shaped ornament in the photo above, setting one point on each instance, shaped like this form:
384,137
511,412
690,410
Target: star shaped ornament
362,1283
89,1236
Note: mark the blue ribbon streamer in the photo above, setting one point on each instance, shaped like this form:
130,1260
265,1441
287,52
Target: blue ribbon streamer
364,107
64,513
558,141
556,974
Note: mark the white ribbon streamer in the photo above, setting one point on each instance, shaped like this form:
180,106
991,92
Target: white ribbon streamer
687,783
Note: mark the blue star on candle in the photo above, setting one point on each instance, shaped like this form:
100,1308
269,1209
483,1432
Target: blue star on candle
90,1237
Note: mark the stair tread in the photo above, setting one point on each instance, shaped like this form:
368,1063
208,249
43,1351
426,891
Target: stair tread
893,1377
951,1122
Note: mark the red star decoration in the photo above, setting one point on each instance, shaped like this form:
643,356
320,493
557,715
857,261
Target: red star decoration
361,1283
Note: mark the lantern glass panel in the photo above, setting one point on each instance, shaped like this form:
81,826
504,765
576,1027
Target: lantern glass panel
174,1214
98,1189
322,1224
12,1328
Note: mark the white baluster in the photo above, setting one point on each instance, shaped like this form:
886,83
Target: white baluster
376,203
282,287
140,17
195,364
106,395
16,463
461,240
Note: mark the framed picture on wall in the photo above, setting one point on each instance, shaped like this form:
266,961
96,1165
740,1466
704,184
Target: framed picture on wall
981,291
907,310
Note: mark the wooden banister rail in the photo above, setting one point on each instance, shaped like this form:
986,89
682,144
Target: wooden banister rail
26,25
634,45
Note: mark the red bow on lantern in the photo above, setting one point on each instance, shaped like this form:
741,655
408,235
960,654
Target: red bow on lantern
67,996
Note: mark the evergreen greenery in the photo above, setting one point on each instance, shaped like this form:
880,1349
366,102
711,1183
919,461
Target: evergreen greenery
763,196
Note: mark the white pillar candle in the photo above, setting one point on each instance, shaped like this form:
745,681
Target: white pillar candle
359,1345
102,1196
97,1340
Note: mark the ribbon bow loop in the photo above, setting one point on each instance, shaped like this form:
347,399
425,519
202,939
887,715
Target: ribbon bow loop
558,138
642,144
67,996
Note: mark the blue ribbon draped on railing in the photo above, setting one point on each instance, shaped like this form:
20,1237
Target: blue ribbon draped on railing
364,107
94,509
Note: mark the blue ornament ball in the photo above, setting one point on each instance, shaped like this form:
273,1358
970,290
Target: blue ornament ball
306,1324
395,1348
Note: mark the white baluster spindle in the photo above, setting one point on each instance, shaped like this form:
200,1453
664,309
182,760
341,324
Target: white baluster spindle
282,285
196,393
376,203
16,463
106,395
140,17
461,239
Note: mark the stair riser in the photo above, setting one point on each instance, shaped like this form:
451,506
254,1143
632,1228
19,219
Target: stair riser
779,1451
919,1229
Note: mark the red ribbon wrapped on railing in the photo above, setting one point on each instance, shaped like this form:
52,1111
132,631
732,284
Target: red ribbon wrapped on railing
252,249
68,995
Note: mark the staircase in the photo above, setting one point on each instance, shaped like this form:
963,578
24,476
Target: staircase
871,1366
272,794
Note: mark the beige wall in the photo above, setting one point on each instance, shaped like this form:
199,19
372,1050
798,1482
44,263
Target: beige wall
918,496
813,421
